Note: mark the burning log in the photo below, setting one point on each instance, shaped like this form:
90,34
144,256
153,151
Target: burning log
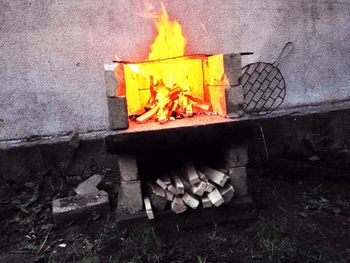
213,175
216,198
148,115
148,206
190,200
178,205
157,197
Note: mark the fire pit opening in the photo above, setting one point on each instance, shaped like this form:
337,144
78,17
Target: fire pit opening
170,85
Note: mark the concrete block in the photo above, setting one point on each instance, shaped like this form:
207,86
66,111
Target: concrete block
237,155
238,179
117,113
130,197
234,101
79,206
111,80
128,167
233,68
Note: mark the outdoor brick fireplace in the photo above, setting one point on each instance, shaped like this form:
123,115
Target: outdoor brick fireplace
174,120
212,139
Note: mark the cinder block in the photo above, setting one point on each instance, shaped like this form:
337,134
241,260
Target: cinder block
130,197
118,113
238,179
111,80
237,155
233,68
128,167
79,206
234,101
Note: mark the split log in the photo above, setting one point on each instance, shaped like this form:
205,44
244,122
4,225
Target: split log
199,188
157,197
209,187
202,176
206,203
148,115
189,173
172,189
186,183
148,207
163,181
190,200
213,175
180,188
169,195
227,192
216,198
178,205
223,170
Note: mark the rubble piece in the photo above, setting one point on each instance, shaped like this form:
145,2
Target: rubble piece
171,188
148,208
79,206
189,173
157,197
128,167
178,205
227,192
169,195
213,175
216,198
206,203
209,187
130,196
190,200
164,181
202,176
238,179
89,185
198,189
180,188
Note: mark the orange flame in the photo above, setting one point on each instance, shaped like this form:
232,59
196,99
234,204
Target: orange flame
170,41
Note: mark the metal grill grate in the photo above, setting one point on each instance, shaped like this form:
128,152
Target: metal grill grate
263,87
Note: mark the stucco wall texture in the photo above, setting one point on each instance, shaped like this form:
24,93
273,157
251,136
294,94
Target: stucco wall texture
52,52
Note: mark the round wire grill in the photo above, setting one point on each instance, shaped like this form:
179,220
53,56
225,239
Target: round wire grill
264,88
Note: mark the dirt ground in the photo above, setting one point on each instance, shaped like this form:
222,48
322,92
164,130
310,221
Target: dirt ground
303,216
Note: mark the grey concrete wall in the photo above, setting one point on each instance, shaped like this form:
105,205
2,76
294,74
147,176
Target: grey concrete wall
52,52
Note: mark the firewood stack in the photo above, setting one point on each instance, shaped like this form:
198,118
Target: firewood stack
168,103
189,186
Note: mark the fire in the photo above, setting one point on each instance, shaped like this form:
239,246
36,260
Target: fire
170,42
168,84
